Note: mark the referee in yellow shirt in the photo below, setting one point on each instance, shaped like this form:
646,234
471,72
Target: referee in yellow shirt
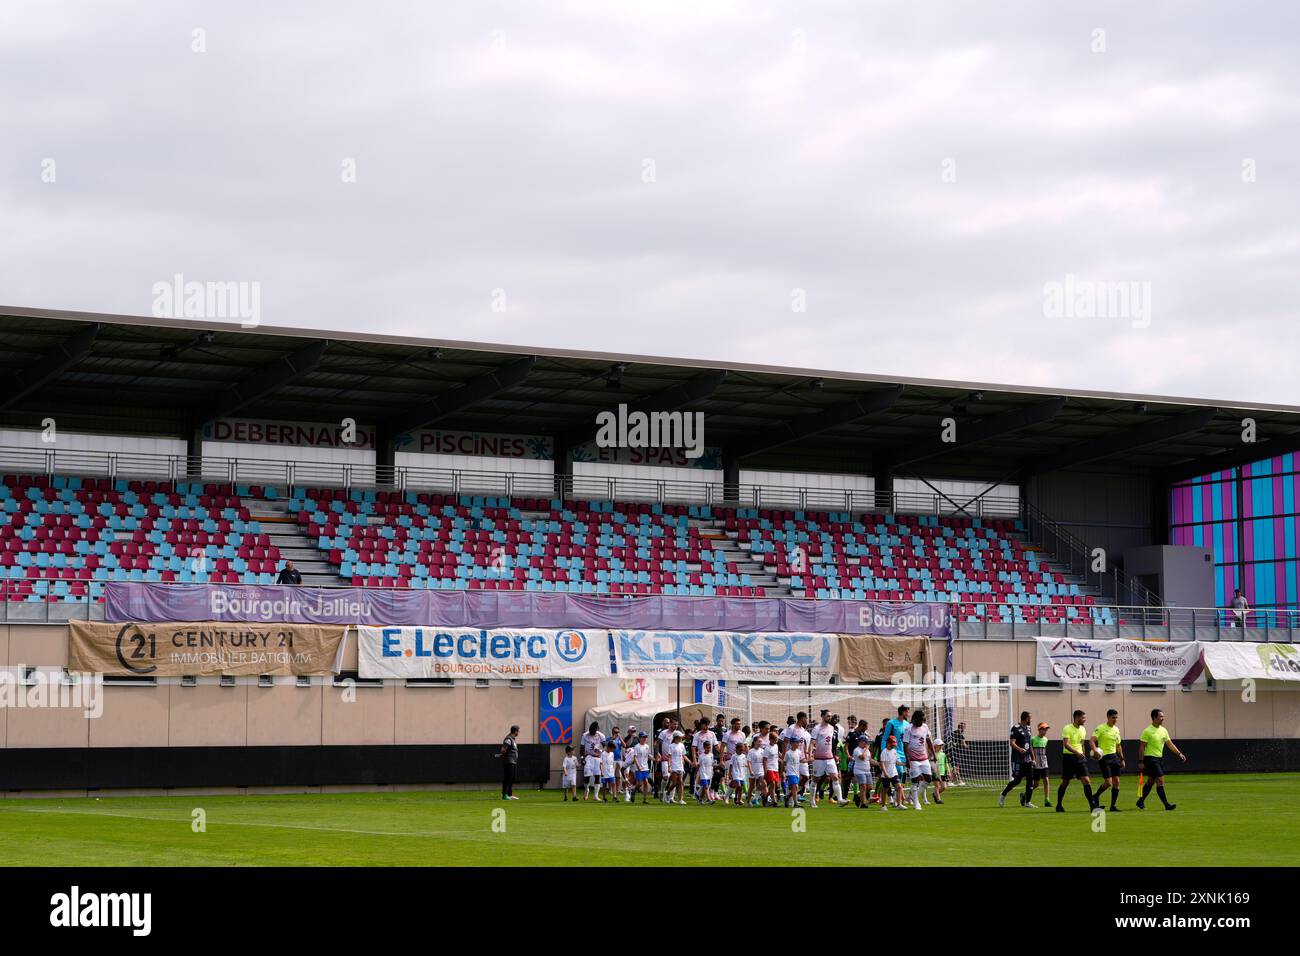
1151,750
1074,762
1106,741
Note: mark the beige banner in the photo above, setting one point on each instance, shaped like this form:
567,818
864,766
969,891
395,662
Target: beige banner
876,658
204,648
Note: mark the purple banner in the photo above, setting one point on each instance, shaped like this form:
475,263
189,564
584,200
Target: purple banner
138,601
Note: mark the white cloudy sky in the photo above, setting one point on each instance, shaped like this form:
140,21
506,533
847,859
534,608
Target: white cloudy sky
795,145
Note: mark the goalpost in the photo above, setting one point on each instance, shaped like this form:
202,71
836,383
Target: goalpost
981,750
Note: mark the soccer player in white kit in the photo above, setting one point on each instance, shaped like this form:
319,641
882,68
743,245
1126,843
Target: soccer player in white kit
591,744
736,771
794,734
891,782
805,738
862,771
599,762
641,760
569,782
626,770
772,765
701,744
731,740
608,769
919,748
704,760
676,767
757,778
824,766
793,761
665,737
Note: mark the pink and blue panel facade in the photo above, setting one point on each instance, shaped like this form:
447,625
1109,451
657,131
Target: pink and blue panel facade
1204,512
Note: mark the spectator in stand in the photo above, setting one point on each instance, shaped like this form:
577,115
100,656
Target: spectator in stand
1240,608
289,574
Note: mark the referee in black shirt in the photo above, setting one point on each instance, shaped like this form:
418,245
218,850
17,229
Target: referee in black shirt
1022,762
856,733
509,757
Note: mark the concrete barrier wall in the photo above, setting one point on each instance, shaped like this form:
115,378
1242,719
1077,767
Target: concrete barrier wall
290,718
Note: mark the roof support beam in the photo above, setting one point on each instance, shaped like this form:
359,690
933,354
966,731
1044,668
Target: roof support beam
670,399
1239,454
262,382
805,426
978,431
472,392
50,365
1131,440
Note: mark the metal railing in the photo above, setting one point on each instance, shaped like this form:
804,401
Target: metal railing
1146,623
286,473
1135,622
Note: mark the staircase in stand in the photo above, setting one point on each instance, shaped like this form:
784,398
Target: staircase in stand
284,532
711,530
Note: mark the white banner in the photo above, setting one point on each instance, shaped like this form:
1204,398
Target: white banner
726,656
1239,660
496,654
1073,661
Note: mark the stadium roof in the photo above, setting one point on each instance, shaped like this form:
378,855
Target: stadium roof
140,375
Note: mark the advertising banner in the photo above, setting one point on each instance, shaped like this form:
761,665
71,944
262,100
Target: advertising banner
555,712
902,620
502,654
146,601
203,649
726,656
873,659
268,603
438,441
250,431
1232,660
1116,662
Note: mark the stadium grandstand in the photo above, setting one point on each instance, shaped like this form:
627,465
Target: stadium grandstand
143,451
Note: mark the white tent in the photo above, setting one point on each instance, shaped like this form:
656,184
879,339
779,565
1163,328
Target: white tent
622,713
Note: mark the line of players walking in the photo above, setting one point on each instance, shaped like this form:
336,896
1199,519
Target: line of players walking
766,765
1104,745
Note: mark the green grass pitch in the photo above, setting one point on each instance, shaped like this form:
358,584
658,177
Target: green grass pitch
1238,820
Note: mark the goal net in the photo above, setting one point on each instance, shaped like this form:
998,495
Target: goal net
973,720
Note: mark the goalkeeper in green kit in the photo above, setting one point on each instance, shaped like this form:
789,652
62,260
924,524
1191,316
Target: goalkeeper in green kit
940,770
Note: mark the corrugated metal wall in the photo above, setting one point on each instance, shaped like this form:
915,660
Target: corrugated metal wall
1111,511
796,479
73,441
